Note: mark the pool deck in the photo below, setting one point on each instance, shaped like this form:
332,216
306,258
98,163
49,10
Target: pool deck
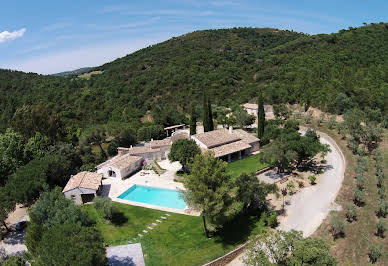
113,187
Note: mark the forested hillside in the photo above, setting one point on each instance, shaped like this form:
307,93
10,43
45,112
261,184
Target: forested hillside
331,71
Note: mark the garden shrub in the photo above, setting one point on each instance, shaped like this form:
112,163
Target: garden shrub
359,197
105,206
312,179
381,227
351,212
375,252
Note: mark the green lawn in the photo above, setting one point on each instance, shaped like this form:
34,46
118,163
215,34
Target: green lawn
179,240
247,165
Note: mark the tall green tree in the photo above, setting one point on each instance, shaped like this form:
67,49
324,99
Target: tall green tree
193,120
28,181
51,211
184,151
209,190
149,132
11,153
95,135
207,116
7,205
260,116
205,113
71,244
36,147
14,261
279,154
241,118
251,191
210,113
311,251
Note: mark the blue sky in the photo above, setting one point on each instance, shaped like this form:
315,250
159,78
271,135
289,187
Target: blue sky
48,36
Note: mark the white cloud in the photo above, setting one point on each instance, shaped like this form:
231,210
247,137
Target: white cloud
10,36
84,57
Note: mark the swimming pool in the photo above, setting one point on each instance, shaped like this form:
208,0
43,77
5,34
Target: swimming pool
155,196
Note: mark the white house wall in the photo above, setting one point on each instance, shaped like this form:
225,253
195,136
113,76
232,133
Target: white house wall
77,192
120,173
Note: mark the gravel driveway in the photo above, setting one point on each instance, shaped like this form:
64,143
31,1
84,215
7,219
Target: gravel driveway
310,206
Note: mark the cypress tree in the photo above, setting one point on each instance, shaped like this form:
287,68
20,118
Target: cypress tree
193,120
205,114
260,116
210,113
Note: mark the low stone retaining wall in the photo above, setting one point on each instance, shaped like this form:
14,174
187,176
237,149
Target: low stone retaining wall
264,170
221,261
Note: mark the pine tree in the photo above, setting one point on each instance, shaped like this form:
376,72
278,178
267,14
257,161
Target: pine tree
260,116
193,120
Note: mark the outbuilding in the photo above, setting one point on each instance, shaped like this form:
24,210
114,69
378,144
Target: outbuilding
83,187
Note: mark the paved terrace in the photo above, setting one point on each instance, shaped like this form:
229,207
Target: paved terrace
113,187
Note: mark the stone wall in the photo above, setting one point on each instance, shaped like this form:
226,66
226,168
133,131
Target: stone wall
221,261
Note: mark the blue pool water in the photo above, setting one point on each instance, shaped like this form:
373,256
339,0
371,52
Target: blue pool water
155,196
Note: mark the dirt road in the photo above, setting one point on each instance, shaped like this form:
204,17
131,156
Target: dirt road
310,206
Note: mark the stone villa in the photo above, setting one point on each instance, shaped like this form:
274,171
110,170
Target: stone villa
130,160
227,145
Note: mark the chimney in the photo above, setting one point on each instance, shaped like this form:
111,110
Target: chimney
230,130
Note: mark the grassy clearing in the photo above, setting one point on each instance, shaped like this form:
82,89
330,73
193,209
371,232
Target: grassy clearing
179,240
360,234
247,165
89,75
96,149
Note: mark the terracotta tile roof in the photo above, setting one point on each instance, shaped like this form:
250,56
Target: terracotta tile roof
216,138
250,106
138,150
175,126
159,143
85,180
123,161
230,148
245,136
254,106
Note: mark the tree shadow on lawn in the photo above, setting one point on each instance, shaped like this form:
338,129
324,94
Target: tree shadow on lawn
118,218
238,230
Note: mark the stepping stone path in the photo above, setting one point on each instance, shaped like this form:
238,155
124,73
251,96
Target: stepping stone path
150,228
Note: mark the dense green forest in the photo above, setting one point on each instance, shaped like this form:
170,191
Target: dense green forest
52,127
334,72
